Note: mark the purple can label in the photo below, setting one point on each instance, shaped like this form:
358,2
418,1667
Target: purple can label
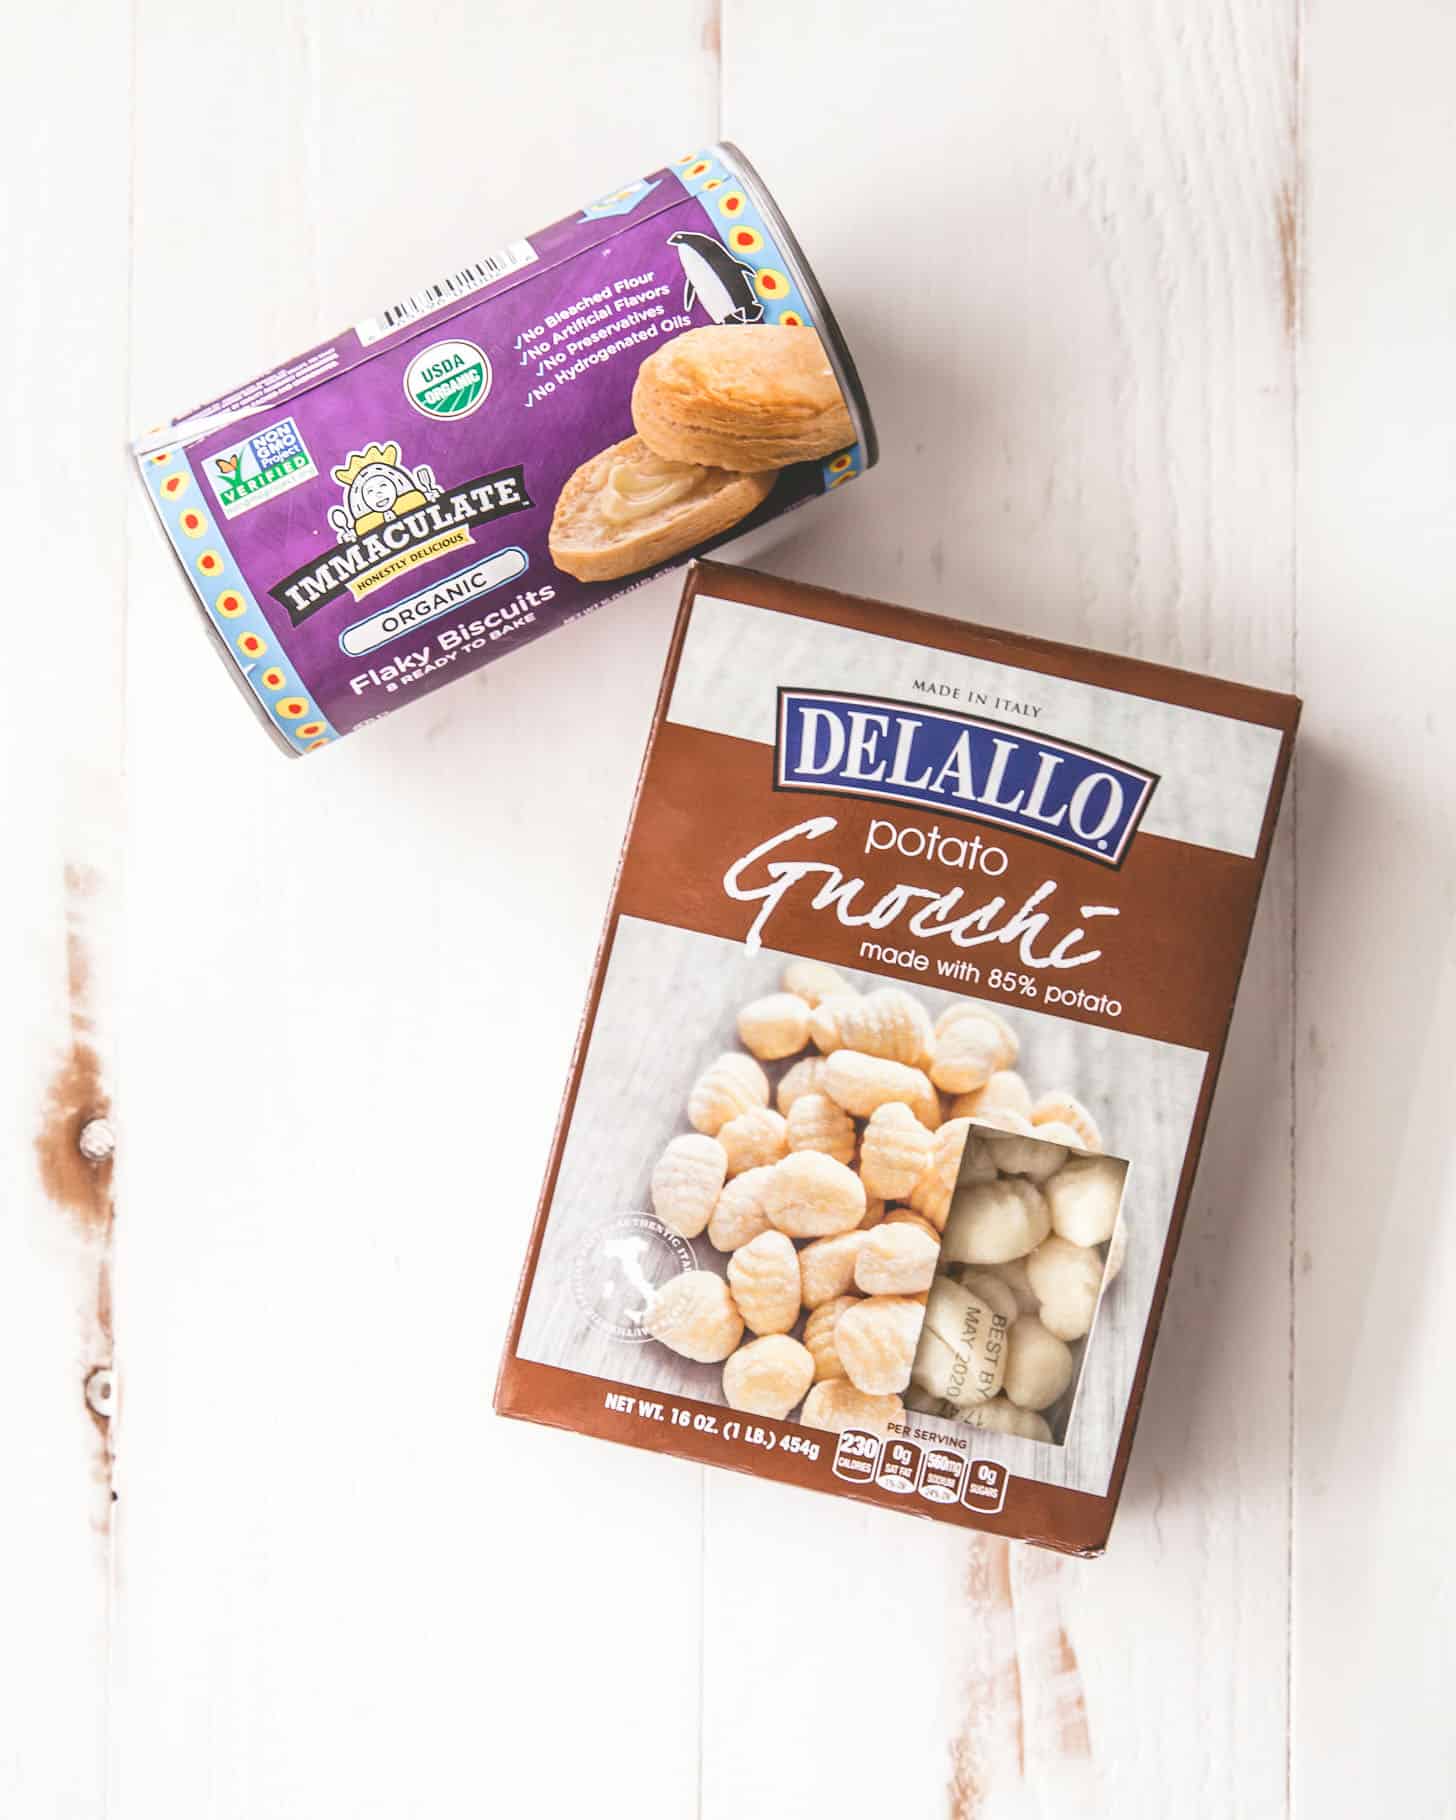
477,464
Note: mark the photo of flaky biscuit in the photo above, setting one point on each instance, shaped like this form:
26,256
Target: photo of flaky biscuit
628,508
747,397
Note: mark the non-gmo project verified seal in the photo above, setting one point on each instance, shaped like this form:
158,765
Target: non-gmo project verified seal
259,467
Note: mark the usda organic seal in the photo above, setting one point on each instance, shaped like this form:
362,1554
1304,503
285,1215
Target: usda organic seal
449,379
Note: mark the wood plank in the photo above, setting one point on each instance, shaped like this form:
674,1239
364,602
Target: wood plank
63,338
1064,273
352,992
1375,1600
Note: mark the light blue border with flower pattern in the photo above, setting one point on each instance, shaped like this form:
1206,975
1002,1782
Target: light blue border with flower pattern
707,178
190,546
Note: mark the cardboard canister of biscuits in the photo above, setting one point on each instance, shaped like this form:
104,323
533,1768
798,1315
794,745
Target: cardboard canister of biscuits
510,447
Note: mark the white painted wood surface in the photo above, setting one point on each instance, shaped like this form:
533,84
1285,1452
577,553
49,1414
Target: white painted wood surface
1153,300
63,368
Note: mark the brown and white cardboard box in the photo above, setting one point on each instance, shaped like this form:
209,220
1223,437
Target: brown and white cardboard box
1072,839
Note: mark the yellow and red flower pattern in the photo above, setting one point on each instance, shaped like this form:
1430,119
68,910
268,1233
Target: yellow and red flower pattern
229,603
744,239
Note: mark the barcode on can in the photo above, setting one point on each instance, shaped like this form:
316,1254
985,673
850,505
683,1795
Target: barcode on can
459,284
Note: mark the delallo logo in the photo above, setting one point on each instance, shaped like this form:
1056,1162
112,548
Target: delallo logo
861,745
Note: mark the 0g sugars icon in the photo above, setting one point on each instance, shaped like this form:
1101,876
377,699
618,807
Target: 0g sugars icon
448,379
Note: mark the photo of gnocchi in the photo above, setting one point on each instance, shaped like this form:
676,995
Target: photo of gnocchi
901,1224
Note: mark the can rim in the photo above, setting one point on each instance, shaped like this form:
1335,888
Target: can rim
219,643
239,681
840,358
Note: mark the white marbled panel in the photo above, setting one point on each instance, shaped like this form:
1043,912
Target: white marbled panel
1214,772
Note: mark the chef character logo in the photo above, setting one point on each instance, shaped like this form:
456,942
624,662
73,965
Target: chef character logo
378,490
723,284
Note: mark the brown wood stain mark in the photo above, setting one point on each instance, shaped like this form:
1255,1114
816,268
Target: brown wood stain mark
1286,221
1076,1737
1022,1664
102,1424
989,1748
103,1302
75,1094
1048,1657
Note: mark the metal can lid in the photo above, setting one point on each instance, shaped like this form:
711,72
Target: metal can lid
830,333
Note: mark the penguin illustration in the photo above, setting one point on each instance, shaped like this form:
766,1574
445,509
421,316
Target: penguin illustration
710,272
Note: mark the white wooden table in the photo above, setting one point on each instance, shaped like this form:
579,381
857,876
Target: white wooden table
1154,299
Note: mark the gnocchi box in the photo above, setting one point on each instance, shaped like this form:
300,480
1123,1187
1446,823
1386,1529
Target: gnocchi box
898,1058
